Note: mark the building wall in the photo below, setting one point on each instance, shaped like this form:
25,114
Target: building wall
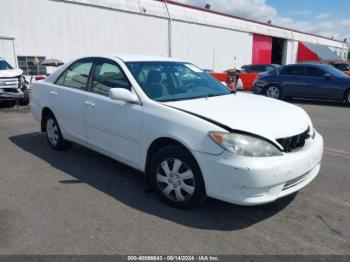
211,48
63,30
66,29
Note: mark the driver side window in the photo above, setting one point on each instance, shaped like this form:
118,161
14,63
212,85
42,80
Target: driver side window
108,75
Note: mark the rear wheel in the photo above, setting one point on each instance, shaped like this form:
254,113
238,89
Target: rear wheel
54,135
347,97
176,177
273,91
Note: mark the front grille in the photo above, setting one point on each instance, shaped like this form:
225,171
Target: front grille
8,83
293,143
295,181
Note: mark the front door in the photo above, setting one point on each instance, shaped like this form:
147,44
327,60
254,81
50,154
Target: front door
321,86
112,127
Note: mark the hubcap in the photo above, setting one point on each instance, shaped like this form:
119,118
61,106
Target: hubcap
273,92
52,131
349,98
175,179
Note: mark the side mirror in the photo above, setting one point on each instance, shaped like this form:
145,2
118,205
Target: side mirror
123,94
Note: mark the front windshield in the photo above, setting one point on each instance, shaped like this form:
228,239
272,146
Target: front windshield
173,81
4,65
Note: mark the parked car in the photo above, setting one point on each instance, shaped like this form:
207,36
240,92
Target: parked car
190,135
315,81
343,67
13,86
250,72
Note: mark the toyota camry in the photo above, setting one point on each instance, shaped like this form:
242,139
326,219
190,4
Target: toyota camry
190,135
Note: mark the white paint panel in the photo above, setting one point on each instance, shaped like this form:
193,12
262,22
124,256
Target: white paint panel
210,47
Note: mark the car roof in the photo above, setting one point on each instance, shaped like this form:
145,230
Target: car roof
146,58
309,64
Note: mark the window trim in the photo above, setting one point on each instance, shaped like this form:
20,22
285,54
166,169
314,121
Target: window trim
101,60
87,59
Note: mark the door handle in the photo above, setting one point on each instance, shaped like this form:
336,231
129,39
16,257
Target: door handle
54,93
88,103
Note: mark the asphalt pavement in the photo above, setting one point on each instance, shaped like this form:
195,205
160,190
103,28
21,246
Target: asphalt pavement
80,202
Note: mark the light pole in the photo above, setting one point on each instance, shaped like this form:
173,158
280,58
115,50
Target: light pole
169,29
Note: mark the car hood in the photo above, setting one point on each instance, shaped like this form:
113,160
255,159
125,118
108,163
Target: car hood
254,114
11,72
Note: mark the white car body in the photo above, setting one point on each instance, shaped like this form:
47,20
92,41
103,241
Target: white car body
125,132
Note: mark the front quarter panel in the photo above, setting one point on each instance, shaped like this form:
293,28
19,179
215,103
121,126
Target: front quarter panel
162,121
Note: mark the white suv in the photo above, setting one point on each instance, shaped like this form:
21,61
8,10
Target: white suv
189,134
13,86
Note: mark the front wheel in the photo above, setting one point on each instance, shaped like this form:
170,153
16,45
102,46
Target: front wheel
176,177
273,91
54,135
24,101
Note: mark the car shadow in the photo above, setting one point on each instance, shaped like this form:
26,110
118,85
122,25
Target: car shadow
127,186
316,102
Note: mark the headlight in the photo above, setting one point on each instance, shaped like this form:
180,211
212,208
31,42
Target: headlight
245,145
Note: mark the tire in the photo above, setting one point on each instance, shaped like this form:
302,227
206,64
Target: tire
347,97
167,171
54,135
26,99
273,91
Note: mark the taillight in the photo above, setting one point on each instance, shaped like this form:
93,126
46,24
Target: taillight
37,78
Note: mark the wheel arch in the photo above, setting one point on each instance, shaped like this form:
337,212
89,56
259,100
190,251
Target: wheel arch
44,113
158,144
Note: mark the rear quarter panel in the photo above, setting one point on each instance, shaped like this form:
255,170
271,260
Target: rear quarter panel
40,98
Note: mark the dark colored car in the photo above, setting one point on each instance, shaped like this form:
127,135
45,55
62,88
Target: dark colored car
342,67
259,68
315,81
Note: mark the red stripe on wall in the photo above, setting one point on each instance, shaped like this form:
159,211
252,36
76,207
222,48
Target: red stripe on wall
262,49
306,55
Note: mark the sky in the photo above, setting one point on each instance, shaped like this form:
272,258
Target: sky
330,18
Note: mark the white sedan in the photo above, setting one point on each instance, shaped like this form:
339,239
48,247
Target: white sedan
189,134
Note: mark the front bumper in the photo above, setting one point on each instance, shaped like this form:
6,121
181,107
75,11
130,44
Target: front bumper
258,88
10,95
254,181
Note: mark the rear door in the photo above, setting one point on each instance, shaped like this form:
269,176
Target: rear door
294,81
67,99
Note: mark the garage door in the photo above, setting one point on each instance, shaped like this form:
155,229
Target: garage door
262,49
7,50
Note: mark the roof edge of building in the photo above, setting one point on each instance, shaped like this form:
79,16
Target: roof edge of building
172,2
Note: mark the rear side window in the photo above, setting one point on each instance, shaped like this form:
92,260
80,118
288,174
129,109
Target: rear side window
314,72
108,75
76,76
294,71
